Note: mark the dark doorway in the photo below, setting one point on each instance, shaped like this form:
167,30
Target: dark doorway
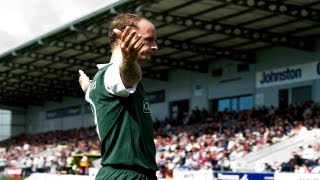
283,98
178,109
301,94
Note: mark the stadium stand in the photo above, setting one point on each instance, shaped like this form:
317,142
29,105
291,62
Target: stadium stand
215,146
50,152
200,144
279,152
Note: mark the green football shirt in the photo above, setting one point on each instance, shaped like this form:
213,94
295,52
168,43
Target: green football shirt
124,125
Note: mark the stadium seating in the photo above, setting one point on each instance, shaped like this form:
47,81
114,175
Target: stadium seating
221,141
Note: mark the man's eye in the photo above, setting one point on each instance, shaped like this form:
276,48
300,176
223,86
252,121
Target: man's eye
150,39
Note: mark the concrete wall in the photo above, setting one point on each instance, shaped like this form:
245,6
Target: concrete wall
18,122
278,57
182,85
38,121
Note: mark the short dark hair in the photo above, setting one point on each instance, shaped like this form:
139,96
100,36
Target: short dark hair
121,21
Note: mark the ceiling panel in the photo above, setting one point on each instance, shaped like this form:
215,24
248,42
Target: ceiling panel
216,30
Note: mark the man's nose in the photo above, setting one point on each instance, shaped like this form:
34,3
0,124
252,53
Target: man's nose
154,46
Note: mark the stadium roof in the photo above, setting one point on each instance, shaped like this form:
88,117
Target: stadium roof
191,34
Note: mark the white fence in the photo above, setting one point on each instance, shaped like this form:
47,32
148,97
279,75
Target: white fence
44,176
296,176
193,175
209,175
197,175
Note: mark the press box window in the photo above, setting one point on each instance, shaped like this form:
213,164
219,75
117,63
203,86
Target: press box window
237,103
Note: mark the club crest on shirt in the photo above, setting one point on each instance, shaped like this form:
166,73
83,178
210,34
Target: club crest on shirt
146,106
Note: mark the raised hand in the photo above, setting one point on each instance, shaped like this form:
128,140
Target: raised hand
84,81
130,43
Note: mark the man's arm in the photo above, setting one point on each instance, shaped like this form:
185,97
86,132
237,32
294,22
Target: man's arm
130,44
130,73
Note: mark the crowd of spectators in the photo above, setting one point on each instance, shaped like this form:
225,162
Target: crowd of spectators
305,160
215,141
200,140
52,152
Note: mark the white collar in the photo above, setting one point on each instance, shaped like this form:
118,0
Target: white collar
100,66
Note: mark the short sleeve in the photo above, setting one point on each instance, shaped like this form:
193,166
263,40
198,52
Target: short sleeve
113,82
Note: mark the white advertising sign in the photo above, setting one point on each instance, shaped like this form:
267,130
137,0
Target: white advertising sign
192,175
296,176
286,75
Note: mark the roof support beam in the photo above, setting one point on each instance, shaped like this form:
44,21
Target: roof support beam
162,77
207,49
174,63
279,7
29,82
177,63
73,61
39,91
46,70
56,59
234,31
77,47
36,96
200,48
25,89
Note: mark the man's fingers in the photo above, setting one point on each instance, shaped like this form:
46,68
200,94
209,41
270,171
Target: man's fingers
129,38
125,33
81,72
139,47
84,81
135,40
118,33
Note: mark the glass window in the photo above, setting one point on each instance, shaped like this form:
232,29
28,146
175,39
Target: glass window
236,103
224,104
5,124
245,102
